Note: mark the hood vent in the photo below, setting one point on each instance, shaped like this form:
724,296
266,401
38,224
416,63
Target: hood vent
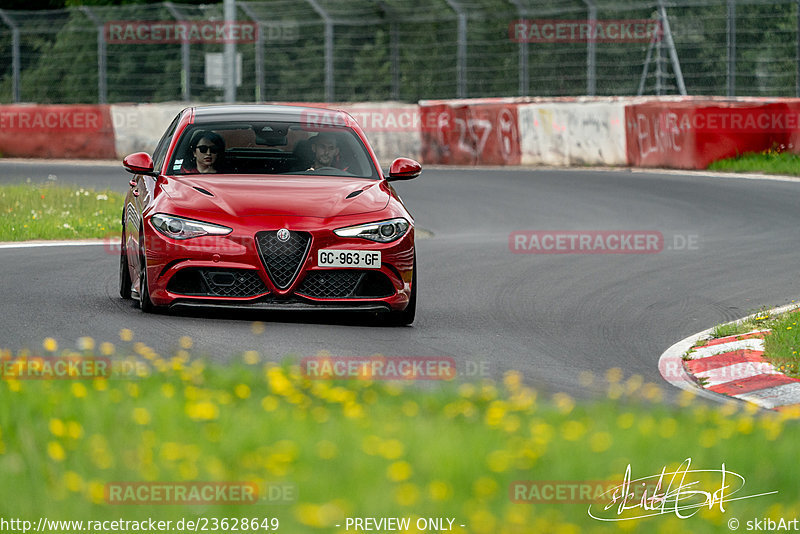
205,192
355,193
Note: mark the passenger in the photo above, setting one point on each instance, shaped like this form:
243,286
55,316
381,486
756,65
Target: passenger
207,154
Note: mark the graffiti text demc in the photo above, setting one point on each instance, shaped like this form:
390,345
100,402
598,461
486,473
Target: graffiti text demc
658,134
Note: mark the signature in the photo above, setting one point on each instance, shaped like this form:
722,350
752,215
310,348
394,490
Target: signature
675,492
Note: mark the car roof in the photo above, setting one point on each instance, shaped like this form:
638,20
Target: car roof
269,112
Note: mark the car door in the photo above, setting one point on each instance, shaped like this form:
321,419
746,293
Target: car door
142,187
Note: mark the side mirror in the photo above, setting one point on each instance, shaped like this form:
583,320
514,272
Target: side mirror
404,169
139,163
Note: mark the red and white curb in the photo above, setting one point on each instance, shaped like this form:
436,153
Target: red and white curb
731,367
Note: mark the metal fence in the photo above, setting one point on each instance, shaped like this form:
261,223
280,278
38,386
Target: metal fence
405,50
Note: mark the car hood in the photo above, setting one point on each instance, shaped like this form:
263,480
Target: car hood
303,196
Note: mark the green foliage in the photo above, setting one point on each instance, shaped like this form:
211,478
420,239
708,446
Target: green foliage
421,39
58,4
772,161
781,345
54,78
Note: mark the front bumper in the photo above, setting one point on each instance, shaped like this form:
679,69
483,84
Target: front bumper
267,304
232,272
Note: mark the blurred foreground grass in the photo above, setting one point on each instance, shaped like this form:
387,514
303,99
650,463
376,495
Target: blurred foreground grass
49,211
374,449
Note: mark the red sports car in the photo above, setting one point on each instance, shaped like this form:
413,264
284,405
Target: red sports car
268,207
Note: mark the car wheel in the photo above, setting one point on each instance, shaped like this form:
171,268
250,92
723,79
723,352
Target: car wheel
124,274
145,304
125,281
406,317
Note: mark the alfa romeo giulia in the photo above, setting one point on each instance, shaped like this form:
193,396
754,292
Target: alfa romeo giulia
267,207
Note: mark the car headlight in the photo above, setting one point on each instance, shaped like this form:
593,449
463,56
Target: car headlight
382,232
180,228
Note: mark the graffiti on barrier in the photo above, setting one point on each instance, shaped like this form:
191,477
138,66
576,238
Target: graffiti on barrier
659,133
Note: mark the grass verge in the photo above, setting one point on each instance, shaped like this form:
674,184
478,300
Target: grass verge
49,211
781,346
772,161
370,449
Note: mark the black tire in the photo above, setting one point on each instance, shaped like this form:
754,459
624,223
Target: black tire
125,282
406,317
145,304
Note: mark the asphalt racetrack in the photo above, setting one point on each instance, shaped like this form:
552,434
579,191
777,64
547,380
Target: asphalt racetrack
730,247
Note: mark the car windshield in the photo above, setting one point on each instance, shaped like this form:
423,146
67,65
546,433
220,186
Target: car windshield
271,148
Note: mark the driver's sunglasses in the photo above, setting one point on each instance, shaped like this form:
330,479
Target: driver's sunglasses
205,148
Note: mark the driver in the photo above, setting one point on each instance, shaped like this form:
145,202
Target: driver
325,148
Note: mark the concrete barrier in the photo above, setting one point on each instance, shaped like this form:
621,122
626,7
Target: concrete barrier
575,133
676,132
470,132
139,127
392,128
56,131
693,133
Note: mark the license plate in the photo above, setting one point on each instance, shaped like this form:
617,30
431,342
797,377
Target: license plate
362,259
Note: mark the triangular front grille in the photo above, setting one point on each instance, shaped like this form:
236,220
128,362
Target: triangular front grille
283,259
